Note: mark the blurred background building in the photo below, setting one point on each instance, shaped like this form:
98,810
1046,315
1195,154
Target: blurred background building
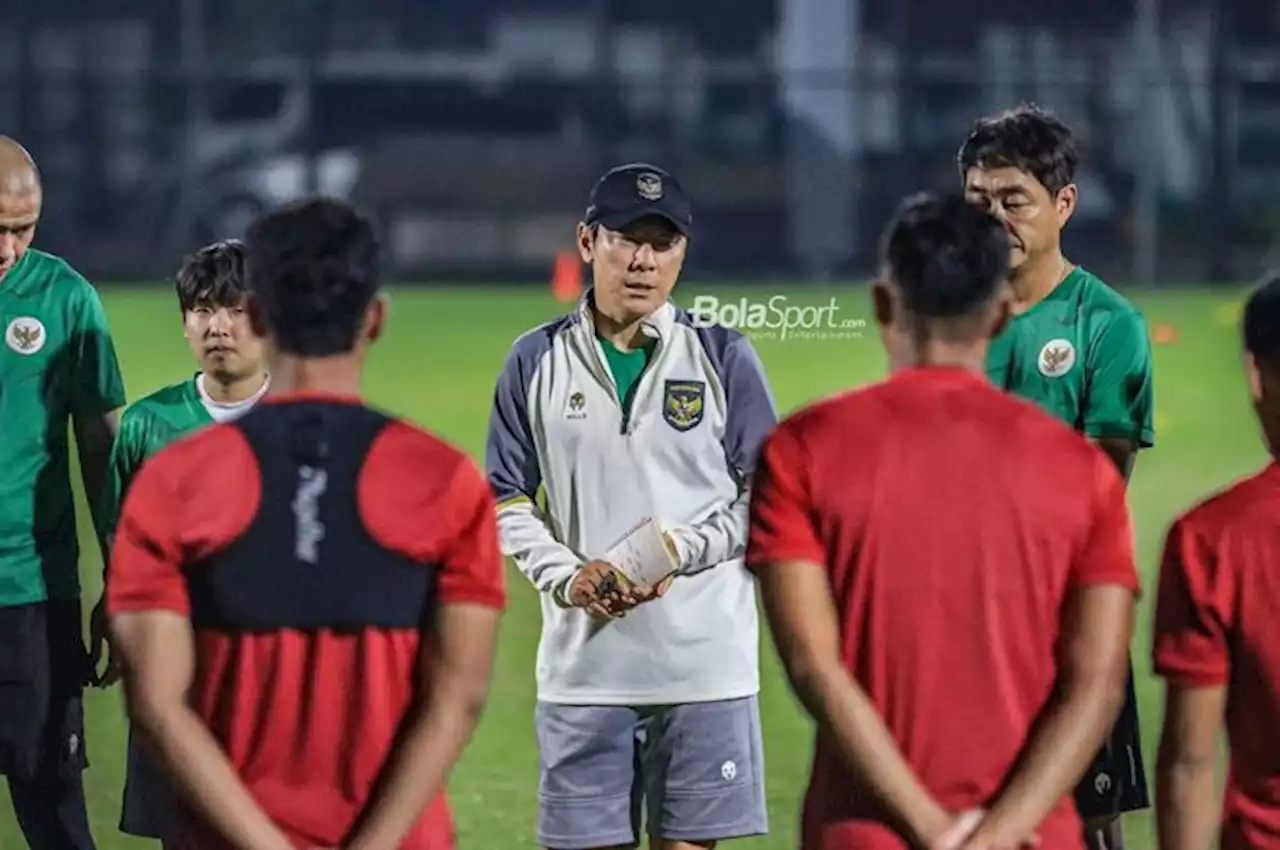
473,128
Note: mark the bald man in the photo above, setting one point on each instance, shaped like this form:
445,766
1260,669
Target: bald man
57,364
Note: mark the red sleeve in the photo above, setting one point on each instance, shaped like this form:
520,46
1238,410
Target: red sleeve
472,565
1107,556
145,572
782,526
1191,642
420,496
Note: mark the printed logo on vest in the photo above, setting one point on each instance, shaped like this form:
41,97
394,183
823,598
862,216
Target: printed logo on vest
312,483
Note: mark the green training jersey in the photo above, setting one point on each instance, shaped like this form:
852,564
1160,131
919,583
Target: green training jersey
1083,355
146,426
57,361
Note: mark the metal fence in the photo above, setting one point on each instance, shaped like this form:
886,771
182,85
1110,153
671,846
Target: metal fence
163,124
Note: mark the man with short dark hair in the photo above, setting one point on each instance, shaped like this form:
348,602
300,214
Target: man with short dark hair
212,297
1077,348
958,630
57,364
307,598
1217,636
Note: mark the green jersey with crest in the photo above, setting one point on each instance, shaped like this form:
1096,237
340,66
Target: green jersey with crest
1083,355
57,361
147,426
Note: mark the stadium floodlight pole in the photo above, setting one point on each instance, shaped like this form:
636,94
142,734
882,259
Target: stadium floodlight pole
1150,79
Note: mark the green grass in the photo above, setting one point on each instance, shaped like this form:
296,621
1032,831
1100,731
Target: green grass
437,365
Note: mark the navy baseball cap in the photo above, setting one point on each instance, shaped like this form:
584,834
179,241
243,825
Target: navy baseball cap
630,192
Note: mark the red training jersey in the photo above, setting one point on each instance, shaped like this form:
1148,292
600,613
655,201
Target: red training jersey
311,543
1217,626
953,519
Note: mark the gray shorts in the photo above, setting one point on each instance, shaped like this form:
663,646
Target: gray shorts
688,772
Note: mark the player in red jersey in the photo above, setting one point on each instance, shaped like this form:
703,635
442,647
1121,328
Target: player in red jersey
958,629
1217,636
306,599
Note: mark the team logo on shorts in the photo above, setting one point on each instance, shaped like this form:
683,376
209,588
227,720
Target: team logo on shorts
1056,358
577,406
682,404
25,335
649,186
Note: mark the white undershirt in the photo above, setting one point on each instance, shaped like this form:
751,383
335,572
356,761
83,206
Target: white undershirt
225,411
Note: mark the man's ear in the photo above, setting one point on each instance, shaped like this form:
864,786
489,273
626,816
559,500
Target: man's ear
257,317
1253,378
882,303
375,318
1065,204
586,242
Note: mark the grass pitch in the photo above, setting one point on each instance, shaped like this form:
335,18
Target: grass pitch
437,366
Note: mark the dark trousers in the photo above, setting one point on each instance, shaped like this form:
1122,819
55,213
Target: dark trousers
52,816
43,671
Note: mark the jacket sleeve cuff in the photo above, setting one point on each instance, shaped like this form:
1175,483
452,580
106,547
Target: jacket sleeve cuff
680,548
560,589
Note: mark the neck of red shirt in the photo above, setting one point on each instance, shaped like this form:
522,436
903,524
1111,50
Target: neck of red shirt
941,356
333,377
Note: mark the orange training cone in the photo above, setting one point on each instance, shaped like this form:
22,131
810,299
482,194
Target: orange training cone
566,277
1164,334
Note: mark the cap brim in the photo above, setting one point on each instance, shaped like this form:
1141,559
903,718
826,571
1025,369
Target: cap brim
621,219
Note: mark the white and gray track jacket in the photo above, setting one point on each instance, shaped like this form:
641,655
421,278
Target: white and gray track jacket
683,456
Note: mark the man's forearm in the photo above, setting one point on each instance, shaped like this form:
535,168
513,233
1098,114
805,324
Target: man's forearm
845,714
93,473
203,771
1068,735
416,774
1187,805
718,538
527,539
1122,453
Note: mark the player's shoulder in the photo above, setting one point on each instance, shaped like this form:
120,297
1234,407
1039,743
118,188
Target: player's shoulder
530,347
411,441
1021,428
215,459
156,403
853,416
1104,301
1250,502
826,410
57,276
422,464
1040,429
219,440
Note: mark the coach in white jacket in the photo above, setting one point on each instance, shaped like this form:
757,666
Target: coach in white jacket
619,411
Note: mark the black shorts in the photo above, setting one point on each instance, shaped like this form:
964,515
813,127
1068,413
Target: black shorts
1116,782
147,807
43,670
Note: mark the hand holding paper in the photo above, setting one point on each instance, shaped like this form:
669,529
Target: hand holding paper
644,555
